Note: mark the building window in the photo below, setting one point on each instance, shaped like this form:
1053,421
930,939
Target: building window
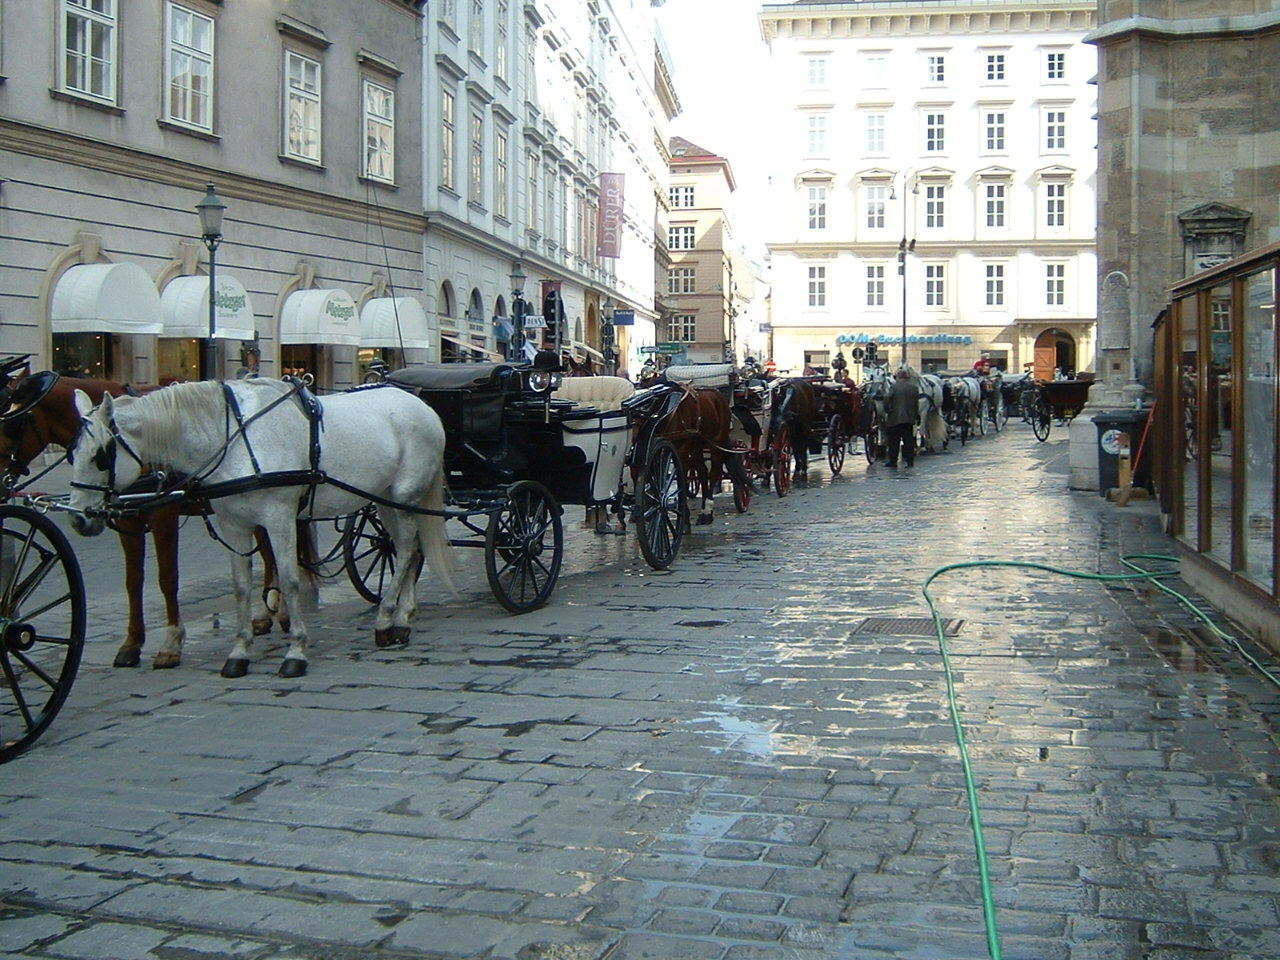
1055,130
995,67
500,42
817,286
935,207
994,121
817,135
448,123
935,285
876,199
935,132
995,284
189,67
684,328
1055,209
531,197
875,285
379,133
89,48
477,25
817,208
681,196
681,279
680,238
302,107
875,133
874,70
817,72
995,201
1055,66
1055,284
500,174
477,158
937,68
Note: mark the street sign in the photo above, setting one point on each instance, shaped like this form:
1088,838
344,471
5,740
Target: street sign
535,321
669,348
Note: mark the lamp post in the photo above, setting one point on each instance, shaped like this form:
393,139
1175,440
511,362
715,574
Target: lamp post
905,246
517,312
210,208
606,335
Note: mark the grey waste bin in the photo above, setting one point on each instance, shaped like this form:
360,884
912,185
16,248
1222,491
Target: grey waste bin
1111,425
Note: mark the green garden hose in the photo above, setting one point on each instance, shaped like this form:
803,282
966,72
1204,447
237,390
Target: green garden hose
1153,576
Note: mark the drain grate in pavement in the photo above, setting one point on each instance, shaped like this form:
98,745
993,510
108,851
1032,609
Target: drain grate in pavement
908,626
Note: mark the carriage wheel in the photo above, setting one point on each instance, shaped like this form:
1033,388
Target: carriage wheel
983,413
1001,417
42,622
524,546
837,439
782,458
367,554
662,512
1041,421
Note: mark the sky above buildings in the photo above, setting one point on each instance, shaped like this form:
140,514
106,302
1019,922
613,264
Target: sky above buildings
721,72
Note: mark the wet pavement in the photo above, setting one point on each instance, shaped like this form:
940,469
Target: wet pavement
747,757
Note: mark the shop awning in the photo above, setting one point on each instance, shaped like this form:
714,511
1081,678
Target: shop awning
578,347
320,316
394,322
185,303
106,298
471,346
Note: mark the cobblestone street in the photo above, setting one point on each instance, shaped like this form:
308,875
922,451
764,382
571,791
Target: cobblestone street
747,757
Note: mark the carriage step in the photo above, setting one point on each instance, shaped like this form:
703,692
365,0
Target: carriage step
908,626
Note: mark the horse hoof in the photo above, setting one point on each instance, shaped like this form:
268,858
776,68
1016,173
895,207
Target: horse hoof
262,627
391,637
127,658
167,661
235,667
293,667
401,635
704,519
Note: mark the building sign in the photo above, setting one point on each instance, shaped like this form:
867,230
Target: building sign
624,318
609,216
670,349
960,338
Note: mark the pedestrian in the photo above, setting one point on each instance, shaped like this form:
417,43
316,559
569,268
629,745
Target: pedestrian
902,408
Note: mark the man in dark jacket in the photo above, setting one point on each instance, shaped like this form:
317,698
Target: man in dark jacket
902,409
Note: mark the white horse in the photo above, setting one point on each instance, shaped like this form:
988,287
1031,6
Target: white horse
933,428
966,394
270,445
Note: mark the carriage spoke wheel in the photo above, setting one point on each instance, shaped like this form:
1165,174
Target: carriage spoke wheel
837,440
524,547
1001,417
1041,421
662,512
782,457
983,410
42,622
368,554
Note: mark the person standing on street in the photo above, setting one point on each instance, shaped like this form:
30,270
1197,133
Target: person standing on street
902,409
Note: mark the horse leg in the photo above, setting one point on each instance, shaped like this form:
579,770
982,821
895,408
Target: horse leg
399,601
270,583
239,540
164,535
709,476
134,546
283,534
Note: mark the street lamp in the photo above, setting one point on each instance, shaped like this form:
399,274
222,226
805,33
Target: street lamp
606,334
210,209
517,312
905,246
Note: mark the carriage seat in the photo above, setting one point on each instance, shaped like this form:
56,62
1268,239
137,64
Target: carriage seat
457,376
702,374
603,393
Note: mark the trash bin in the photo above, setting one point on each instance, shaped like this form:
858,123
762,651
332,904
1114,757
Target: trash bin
1121,431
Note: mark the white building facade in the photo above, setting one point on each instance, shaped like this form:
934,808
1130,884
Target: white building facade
546,123
935,188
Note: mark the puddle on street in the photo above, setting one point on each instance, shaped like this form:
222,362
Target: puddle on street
744,735
1177,651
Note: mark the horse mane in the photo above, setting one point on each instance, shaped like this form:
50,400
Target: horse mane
170,414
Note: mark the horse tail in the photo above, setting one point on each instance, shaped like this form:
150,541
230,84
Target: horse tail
435,542
935,428
737,472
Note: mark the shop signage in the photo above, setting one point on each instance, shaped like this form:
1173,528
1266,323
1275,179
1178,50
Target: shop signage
624,318
961,338
609,216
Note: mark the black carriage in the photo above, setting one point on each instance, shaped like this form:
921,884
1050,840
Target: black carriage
1059,400
515,453
837,421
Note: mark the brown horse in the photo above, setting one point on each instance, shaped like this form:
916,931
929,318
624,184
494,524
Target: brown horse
41,410
795,407
699,427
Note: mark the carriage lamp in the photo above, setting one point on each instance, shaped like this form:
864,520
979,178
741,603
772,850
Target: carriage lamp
606,333
517,311
210,208
839,364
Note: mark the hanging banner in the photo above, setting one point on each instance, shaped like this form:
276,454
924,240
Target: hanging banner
609,216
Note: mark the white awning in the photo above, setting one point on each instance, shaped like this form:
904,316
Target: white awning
394,322
320,316
497,357
185,302
106,298
579,347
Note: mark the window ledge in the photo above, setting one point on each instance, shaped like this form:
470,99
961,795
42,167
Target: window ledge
197,132
83,101
304,164
375,181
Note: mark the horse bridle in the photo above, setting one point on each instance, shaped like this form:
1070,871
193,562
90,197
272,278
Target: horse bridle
105,457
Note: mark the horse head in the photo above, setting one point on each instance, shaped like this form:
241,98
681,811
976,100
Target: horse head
102,460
